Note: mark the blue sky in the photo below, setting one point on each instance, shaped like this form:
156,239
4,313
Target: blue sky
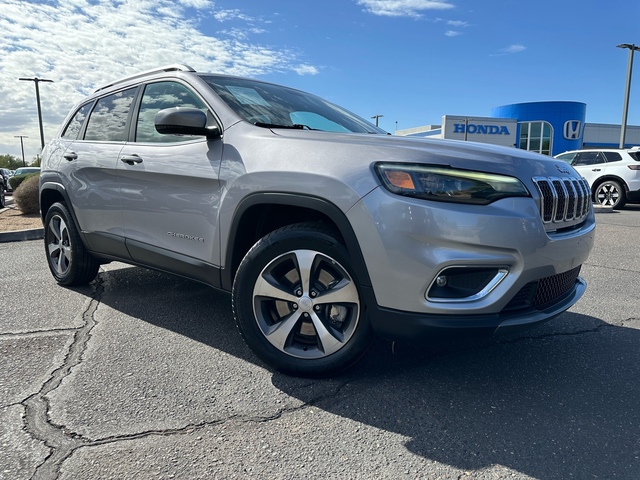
409,60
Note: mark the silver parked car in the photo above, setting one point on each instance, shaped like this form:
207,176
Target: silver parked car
324,228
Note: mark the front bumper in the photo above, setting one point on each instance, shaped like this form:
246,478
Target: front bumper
407,243
398,325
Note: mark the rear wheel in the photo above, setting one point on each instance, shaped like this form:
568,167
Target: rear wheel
610,194
68,260
297,303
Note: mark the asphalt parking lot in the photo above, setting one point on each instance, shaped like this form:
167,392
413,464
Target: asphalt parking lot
143,375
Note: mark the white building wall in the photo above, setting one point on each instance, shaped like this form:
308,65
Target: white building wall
606,135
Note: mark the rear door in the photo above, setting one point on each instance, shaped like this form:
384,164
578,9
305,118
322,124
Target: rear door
169,186
88,167
590,164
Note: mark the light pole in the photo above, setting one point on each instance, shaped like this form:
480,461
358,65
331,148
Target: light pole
22,147
625,109
377,117
37,80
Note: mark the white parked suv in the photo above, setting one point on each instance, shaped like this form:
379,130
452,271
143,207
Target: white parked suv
613,174
324,228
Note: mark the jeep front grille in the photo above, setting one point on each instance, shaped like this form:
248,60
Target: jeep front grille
563,199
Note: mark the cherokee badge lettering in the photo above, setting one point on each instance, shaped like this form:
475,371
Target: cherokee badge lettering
186,237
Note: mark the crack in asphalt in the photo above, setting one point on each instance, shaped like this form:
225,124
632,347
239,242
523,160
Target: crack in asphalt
36,333
607,267
555,334
62,443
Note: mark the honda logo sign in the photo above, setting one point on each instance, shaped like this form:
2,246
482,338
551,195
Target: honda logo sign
572,129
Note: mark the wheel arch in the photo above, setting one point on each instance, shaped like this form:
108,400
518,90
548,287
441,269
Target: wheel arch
50,193
605,178
259,214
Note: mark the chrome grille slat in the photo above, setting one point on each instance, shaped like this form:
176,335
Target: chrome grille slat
571,199
563,199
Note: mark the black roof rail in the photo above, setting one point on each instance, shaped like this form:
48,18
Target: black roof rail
175,67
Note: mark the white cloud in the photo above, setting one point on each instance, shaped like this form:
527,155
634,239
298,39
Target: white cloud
457,23
242,33
235,14
403,8
513,49
82,44
306,70
452,33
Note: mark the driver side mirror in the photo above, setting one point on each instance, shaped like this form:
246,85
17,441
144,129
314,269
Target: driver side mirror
185,121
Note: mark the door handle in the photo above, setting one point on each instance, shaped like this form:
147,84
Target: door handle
131,159
596,169
70,156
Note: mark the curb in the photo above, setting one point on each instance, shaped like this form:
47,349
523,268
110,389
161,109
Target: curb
21,235
601,209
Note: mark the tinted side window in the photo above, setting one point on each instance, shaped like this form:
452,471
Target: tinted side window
588,158
612,156
158,96
108,119
75,125
567,157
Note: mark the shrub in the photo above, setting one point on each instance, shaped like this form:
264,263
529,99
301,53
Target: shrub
26,195
16,180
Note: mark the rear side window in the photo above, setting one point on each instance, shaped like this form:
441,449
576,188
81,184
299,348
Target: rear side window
567,157
588,158
72,130
108,120
158,96
612,156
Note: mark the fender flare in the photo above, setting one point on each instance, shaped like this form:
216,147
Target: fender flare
320,205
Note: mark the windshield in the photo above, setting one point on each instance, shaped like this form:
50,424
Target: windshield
274,106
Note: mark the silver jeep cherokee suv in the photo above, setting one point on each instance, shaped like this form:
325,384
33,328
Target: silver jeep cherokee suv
324,228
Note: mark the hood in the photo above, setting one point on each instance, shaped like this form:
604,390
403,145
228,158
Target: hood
458,154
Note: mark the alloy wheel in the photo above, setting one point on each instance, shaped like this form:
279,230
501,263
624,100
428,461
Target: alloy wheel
608,194
306,304
59,246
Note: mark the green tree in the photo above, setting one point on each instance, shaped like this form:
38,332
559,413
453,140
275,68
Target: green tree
10,162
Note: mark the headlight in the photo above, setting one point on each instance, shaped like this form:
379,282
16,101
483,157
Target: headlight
446,184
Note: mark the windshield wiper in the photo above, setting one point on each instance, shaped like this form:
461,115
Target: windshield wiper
295,126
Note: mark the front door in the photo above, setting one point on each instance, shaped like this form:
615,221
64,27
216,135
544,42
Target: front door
169,187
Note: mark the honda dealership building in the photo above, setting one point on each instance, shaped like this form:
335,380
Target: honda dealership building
545,127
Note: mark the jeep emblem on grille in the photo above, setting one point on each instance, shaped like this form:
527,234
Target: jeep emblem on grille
562,168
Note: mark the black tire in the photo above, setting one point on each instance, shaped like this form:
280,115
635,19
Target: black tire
314,324
68,259
610,193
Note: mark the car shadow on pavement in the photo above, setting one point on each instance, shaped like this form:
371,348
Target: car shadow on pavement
557,401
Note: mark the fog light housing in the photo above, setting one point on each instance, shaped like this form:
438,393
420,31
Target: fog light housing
465,284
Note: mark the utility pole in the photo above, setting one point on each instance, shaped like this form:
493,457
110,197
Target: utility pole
37,80
625,108
22,147
377,117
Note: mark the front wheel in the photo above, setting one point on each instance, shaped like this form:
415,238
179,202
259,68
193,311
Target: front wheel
610,194
68,260
297,303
